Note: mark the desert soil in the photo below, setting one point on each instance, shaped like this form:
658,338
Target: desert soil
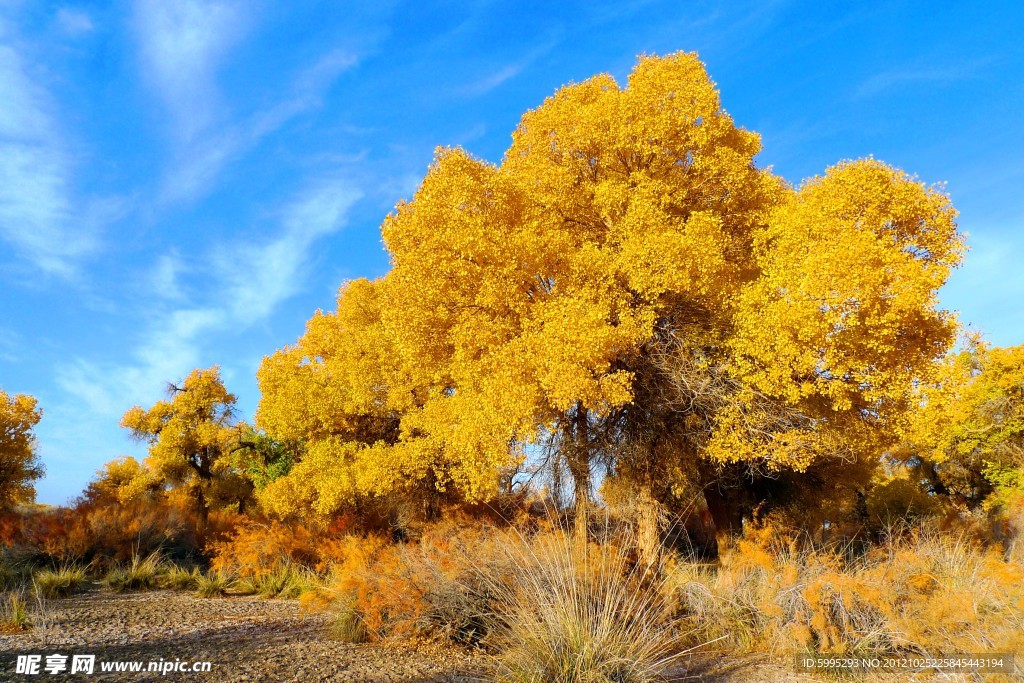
254,639
245,639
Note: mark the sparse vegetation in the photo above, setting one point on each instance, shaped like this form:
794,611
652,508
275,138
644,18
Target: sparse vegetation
14,613
179,578
578,611
138,574
213,584
60,582
347,624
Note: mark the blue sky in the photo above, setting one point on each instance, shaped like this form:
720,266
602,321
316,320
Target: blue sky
183,182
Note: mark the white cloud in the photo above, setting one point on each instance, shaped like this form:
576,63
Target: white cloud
492,81
164,277
509,71
183,44
247,284
259,277
9,343
37,214
907,75
168,350
73,22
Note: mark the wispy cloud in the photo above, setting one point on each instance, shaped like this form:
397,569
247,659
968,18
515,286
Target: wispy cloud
38,216
909,75
9,342
73,22
259,277
507,72
164,278
198,163
183,44
492,81
247,284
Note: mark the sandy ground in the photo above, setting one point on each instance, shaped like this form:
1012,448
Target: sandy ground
244,639
255,639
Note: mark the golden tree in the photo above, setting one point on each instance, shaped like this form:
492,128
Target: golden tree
190,440
626,242
19,462
967,439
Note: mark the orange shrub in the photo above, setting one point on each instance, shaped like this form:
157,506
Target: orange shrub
926,592
105,532
254,548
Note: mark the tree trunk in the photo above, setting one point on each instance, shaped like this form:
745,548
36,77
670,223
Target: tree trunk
202,517
578,460
725,505
648,528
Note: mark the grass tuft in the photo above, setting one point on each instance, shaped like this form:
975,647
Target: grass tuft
213,584
60,582
347,624
283,580
179,578
14,613
579,612
139,574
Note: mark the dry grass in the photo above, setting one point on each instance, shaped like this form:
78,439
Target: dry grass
347,623
14,612
23,609
60,582
213,584
179,578
139,574
552,609
283,580
577,612
923,592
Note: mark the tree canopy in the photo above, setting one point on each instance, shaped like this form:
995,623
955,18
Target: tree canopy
627,287
967,440
190,439
19,462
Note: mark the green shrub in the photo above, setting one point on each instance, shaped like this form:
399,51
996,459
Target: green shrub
178,578
139,574
60,582
213,584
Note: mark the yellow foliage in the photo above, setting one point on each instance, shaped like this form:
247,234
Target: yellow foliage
189,437
19,463
967,436
526,297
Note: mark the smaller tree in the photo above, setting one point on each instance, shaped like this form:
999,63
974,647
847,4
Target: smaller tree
19,461
122,480
191,437
966,440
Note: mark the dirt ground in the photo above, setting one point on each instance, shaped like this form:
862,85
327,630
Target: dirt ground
254,639
244,639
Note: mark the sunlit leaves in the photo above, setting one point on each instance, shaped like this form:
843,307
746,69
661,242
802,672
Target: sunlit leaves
19,462
525,294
